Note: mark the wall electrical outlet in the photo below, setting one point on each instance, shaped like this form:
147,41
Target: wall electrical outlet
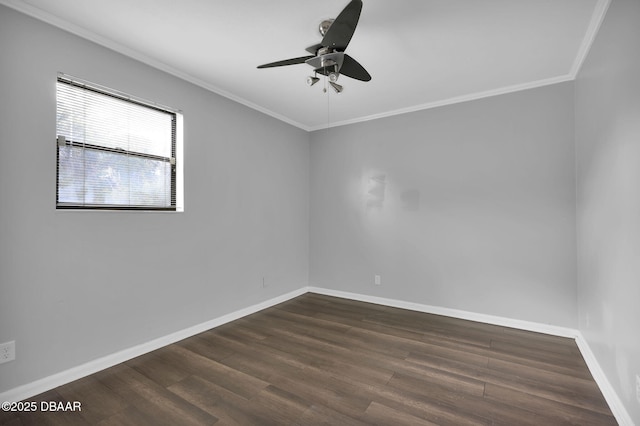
7,351
376,280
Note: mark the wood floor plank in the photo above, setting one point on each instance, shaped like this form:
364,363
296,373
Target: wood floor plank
537,353
240,345
575,370
451,332
263,368
531,336
156,367
514,369
434,410
204,345
559,345
379,414
321,415
151,401
8,417
98,401
280,406
317,359
341,336
559,412
567,389
338,394
373,327
219,402
321,354
236,381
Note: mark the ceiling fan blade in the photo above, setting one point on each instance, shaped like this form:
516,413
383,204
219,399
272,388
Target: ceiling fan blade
340,32
292,61
351,68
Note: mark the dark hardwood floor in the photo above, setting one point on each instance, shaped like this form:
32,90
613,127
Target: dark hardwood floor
323,360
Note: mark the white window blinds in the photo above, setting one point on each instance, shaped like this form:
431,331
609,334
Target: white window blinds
113,152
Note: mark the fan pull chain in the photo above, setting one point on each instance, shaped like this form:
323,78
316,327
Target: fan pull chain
328,110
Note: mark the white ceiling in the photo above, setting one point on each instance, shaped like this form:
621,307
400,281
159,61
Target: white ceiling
420,53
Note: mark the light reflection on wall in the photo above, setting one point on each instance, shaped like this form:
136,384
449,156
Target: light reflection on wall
375,191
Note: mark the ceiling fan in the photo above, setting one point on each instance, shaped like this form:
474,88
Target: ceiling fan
328,57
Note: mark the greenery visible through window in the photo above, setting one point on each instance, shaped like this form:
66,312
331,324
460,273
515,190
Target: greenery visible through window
113,151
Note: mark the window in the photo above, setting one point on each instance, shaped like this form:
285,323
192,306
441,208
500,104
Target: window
113,151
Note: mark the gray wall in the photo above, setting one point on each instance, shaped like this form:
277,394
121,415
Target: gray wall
75,286
608,162
477,212
469,207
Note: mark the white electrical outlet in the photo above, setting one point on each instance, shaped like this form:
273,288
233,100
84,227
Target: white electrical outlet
638,387
376,280
7,351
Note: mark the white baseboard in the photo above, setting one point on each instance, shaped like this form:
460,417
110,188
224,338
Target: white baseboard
616,405
42,385
471,316
64,377
610,395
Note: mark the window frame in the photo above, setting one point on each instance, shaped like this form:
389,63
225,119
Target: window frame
176,201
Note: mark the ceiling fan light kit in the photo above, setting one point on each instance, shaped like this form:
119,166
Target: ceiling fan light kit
312,80
324,26
338,88
328,57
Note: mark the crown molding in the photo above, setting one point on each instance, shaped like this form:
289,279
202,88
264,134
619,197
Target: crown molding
452,101
594,25
592,31
86,34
